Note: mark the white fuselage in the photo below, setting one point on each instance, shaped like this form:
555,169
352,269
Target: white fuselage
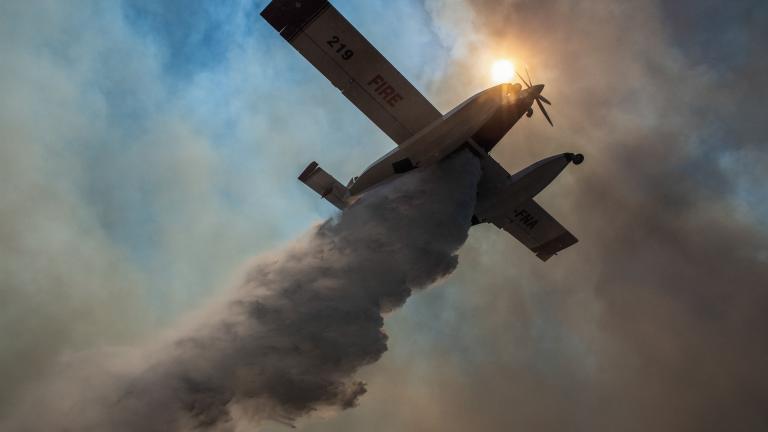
447,134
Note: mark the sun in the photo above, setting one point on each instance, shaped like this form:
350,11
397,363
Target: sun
502,71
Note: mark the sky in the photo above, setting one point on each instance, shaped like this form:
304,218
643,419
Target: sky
149,149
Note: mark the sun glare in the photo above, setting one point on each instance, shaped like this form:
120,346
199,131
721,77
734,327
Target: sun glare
502,71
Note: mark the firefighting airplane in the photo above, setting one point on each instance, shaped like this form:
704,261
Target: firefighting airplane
424,136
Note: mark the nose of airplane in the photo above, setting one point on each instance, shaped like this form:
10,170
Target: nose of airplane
531,92
536,90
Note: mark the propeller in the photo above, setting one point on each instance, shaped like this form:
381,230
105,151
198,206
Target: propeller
539,98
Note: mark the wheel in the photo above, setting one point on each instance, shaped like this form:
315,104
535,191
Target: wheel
578,158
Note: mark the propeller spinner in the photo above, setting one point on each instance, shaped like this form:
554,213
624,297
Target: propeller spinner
538,96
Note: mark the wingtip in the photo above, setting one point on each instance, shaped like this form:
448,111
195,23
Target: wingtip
308,171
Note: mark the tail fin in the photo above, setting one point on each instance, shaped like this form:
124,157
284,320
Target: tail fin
325,185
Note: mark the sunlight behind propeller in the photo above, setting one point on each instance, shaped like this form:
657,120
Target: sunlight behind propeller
502,71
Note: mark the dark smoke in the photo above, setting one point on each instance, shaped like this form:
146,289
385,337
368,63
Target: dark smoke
292,336
656,320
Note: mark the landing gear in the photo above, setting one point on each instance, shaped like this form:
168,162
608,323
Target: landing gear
529,113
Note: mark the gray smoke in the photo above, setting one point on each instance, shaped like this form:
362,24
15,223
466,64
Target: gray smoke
655,320
290,338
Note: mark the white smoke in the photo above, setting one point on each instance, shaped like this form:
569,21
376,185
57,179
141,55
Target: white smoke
290,338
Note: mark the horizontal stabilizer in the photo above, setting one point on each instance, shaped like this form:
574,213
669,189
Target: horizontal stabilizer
325,185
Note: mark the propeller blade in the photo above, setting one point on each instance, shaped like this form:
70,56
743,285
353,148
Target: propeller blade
545,100
543,111
529,76
523,80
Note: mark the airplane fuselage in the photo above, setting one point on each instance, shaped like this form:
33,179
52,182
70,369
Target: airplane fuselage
478,124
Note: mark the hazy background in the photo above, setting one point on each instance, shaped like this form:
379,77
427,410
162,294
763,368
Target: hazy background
147,149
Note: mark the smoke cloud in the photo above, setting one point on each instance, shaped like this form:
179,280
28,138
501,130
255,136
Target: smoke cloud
151,179
289,340
655,319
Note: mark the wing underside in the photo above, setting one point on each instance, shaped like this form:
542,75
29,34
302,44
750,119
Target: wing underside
325,38
536,229
524,218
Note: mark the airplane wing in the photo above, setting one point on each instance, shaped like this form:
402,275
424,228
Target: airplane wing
536,229
325,38
525,220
